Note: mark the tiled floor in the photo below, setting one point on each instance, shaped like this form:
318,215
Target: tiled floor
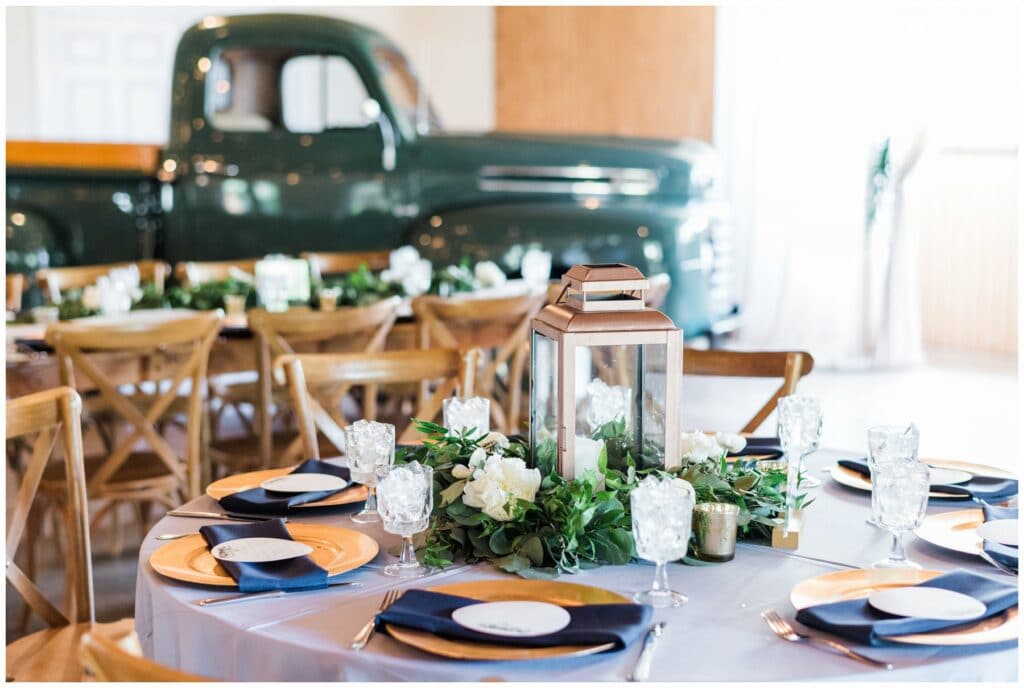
964,407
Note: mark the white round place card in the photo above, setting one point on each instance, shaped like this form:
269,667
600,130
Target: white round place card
1003,531
305,482
255,550
512,619
927,603
947,476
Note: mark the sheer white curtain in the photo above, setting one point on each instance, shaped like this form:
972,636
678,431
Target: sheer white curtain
805,93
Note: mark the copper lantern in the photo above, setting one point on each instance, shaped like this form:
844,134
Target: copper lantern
606,376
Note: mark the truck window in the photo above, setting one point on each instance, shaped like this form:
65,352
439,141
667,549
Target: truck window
261,89
321,92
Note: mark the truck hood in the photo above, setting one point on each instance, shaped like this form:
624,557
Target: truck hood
619,165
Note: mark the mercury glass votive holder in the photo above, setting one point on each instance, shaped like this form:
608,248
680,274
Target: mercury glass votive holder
464,414
234,304
329,299
715,524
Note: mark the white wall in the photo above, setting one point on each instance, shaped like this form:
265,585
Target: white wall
103,74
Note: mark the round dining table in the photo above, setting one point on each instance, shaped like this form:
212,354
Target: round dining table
718,635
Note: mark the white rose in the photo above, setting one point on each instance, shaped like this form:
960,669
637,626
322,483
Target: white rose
536,266
402,259
731,441
494,439
417,280
500,481
92,298
696,446
488,274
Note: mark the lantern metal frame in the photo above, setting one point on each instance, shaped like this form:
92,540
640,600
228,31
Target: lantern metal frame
603,305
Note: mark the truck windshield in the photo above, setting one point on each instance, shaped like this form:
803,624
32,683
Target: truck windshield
405,90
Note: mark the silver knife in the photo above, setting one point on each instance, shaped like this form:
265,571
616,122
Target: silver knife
642,668
222,516
245,596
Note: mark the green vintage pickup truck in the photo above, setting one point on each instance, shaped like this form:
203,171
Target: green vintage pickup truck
295,133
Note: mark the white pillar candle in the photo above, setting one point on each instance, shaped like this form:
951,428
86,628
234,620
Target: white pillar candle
586,455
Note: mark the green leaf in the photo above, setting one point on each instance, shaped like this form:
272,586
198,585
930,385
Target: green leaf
499,542
533,548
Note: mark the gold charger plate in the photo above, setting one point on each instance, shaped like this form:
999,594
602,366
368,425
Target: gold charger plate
502,590
859,583
953,530
247,481
336,550
851,478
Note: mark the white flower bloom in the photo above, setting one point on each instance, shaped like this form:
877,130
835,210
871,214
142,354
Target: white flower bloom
460,472
494,439
536,267
731,441
92,298
500,481
402,259
417,280
488,274
405,267
696,446
478,458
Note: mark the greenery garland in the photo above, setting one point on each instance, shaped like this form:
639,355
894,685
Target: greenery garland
571,524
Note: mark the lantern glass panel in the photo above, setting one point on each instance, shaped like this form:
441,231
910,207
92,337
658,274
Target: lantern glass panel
544,401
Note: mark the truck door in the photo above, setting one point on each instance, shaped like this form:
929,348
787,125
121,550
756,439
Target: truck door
290,161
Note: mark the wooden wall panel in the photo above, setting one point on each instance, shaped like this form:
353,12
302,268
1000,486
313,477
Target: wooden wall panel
630,71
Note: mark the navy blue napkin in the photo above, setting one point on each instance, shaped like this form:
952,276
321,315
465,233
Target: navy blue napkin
977,488
300,573
770,447
260,501
1004,554
858,621
593,624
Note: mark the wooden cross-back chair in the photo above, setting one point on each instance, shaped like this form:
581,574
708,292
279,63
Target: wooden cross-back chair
499,324
788,365
55,281
193,273
48,655
108,660
306,372
340,262
15,289
160,474
358,329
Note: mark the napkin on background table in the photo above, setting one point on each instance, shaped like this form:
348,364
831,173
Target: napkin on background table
300,573
858,621
592,624
260,501
977,488
1004,554
770,447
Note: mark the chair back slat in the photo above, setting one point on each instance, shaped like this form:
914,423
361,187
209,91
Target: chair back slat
790,366
104,659
501,325
361,329
306,372
340,262
188,337
193,273
47,415
15,289
55,281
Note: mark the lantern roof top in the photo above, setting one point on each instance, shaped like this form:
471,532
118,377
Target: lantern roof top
563,317
604,277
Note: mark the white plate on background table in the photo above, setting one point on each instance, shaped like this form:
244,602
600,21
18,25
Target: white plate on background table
953,530
519,619
256,550
947,476
1003,531
927,603
305,482
860,583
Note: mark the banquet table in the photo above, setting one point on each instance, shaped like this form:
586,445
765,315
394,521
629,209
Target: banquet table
717,636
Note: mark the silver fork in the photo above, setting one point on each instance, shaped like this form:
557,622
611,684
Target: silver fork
785,631
995,562
366,632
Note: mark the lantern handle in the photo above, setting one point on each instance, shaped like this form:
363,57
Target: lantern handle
562,294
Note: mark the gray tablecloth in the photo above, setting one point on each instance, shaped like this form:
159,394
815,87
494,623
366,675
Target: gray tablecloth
717,636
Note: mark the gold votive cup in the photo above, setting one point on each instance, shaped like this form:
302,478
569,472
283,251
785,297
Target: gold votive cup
767,465
329,299
234,304
715,524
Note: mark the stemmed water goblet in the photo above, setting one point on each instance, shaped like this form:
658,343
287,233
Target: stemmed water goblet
369,445
888,443
900,490
661,510
799,431
406,494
